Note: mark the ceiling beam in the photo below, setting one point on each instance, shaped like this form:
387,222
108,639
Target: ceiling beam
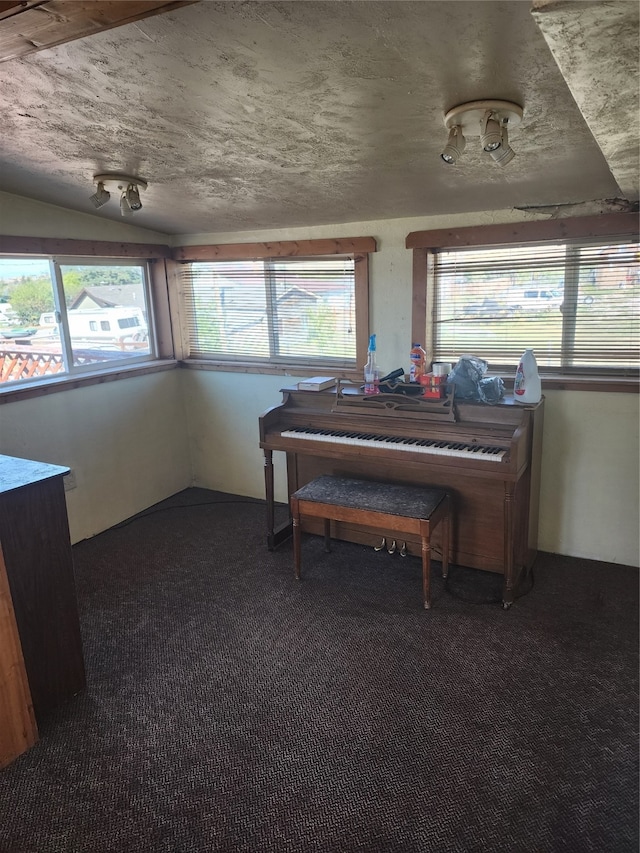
28,27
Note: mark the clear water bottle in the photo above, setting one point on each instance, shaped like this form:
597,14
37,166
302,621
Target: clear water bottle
371,369
527,387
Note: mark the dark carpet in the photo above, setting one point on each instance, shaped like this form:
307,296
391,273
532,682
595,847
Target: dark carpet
230,708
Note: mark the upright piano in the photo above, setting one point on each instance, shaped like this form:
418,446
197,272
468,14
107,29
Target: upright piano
486,456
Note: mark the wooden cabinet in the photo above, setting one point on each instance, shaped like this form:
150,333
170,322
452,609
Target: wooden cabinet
34,536
18,730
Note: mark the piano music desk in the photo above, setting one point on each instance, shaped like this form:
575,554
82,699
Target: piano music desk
385,506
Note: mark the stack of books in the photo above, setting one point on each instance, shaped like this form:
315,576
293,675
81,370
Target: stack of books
317,383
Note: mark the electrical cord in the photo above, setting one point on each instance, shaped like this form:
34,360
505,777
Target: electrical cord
257,502
144,514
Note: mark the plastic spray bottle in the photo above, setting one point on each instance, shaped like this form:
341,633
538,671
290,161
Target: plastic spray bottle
418,363
371,369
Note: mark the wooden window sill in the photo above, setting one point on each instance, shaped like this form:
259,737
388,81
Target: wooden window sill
69,382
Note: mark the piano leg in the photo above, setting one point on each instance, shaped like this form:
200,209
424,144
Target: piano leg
284,532
268,488
507,588
327,535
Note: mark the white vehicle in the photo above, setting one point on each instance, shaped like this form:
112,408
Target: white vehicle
121,328
533,299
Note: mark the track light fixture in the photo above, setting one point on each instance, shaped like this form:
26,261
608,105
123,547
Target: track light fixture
125,207
486,119
101,196
455,145
129,187
133,197
505,153
490,132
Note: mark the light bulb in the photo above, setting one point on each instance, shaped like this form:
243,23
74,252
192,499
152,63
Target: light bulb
490,133
133,197
454,147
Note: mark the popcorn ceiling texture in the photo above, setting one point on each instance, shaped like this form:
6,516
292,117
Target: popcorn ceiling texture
272,115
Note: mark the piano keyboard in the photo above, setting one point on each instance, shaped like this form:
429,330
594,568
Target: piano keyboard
419,445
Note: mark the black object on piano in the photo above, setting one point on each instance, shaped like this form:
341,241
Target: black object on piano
393,383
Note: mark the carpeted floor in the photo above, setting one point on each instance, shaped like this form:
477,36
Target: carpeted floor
230,708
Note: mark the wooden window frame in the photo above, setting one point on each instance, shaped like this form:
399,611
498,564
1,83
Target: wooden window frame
157,255
357,247
425,243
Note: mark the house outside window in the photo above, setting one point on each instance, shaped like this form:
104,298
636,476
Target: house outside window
51,329
309,311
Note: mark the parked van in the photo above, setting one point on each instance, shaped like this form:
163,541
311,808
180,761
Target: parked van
111,328
534,299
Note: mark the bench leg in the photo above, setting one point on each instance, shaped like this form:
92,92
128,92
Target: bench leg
446,539
296,538
426,572
327,535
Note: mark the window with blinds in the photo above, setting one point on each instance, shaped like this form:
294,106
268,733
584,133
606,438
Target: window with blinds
279,310
576,304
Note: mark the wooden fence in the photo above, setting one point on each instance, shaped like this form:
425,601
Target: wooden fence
18,363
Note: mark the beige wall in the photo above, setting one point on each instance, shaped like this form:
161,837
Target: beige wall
23,217
136,441
125,441
590,465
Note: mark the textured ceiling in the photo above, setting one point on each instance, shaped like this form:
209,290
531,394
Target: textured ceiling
264,115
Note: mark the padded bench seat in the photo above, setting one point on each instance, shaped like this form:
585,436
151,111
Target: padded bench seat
385,506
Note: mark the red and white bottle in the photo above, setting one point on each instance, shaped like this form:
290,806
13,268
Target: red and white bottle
418,363
527,387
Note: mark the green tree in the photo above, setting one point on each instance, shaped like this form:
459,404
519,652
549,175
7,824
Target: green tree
31,298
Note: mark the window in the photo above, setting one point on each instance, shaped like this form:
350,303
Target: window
576,302
69,315
288,312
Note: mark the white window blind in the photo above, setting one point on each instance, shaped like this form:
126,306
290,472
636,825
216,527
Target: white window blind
576,304
276,310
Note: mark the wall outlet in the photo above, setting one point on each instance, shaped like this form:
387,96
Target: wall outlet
69,481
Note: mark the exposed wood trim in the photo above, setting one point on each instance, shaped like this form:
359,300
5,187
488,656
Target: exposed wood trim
9,8
419,326
30,27
605,225
587,383
284,249
161,306
180,329
84,248
69,383
361,285
262,368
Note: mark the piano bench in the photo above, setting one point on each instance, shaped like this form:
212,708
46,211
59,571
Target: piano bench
385,506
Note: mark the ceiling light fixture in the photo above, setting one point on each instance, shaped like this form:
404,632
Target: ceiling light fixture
505,153
490,132
133,197
455,145
129,187
487,119
101,196
125,207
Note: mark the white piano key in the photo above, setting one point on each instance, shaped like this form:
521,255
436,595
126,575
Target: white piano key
427,446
